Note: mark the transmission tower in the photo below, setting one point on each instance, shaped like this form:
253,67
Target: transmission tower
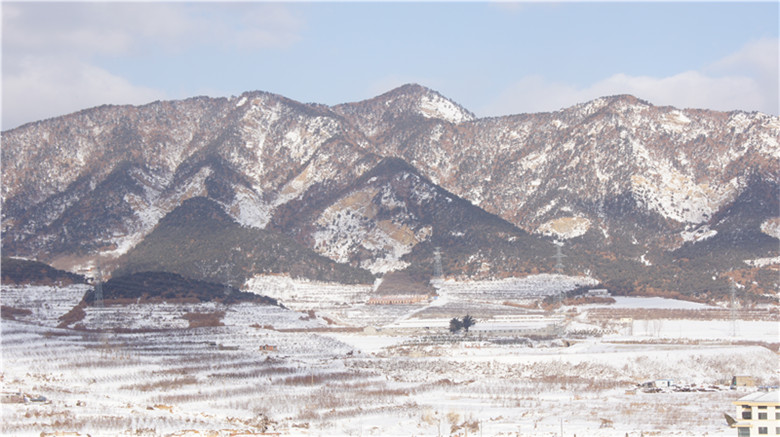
99,316
559,256
228,277
98,286
437,269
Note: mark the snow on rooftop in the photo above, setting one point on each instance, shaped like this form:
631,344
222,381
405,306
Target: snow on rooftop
772,397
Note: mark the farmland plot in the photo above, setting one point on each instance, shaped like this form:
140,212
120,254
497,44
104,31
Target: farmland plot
252,368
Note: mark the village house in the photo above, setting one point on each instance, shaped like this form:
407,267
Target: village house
743,381
658,384
597,292
518,326
758,414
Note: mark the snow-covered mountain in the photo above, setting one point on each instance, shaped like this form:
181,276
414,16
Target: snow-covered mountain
640,195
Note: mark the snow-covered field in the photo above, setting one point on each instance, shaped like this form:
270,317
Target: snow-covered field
404,375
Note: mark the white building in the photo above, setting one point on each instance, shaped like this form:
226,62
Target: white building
758,414
598,292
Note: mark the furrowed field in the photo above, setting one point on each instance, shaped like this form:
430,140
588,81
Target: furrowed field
338,366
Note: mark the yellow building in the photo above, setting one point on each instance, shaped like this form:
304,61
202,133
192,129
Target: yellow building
758,414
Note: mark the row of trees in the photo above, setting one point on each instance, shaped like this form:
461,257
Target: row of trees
465,323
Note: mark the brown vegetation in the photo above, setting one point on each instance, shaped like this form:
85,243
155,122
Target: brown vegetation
76,314
200,320
10,313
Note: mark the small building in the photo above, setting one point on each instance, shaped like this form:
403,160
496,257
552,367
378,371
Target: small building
528,326
758,414
597,292
658,384
743,381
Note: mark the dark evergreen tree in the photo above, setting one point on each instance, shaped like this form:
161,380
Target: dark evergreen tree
467,322
455,325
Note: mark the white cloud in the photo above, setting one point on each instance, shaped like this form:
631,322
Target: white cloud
86,29
47,87
745,80
758,57
267,25
50,50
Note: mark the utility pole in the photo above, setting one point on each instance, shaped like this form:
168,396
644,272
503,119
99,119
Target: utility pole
98,285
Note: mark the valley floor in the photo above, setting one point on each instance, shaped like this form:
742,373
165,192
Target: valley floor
331,372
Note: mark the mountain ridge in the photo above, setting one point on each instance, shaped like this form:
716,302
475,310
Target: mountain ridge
615,177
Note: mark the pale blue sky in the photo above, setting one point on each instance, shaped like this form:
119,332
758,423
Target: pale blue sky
493,58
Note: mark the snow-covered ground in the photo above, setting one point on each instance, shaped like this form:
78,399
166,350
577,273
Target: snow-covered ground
403,375
652,302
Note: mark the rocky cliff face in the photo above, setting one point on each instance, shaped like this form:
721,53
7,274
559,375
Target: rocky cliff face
627,186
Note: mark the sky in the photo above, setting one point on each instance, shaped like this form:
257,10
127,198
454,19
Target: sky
493,58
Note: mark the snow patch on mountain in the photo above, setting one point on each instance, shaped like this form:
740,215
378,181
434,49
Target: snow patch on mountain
678,197
303,140
676,120
679,124
255,128
353,225
763,262
771,227
565,227
297,186
436,106
769,140
699,234
249,209
152,206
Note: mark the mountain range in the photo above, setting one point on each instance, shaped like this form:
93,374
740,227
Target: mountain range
646,199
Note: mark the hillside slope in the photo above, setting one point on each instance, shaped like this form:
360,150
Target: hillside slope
639,195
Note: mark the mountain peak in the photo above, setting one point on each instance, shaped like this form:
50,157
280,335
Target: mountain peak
410,88
430,104
410,100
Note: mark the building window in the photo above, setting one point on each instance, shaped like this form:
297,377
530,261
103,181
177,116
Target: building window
777,416
743,432
747,415
762,430
762,415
